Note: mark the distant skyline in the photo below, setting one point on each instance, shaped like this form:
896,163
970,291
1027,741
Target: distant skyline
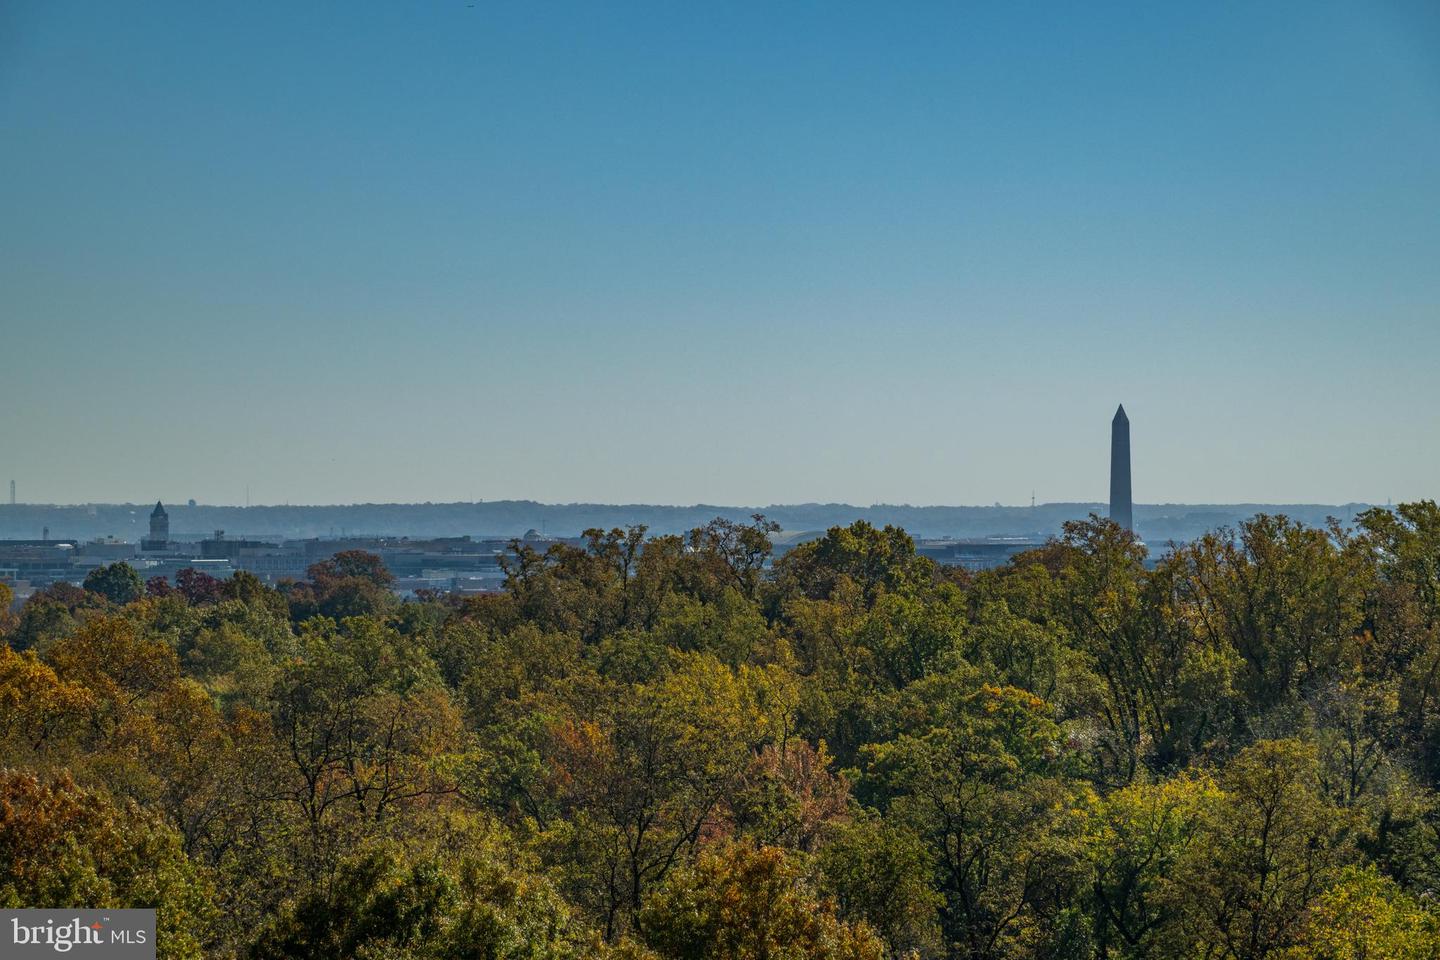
1158,524
738,254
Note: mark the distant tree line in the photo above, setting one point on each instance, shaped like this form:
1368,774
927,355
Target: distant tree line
675,747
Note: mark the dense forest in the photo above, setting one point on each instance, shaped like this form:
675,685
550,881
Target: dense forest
678,747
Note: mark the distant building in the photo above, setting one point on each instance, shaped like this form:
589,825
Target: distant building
39,561
218,548
159,538
972,554
107,548
1121,507
267,559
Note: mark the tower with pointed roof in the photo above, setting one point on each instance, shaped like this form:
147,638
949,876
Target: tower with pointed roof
1120,505
159,538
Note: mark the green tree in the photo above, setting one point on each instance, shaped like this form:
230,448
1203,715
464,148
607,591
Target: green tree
1401,631
42,620
352,583
453,906
122,667
1287,598
62,846
39,712
7,600
118,583
744,903
980,781
789,797
1406,543
351,563
1099,603
879,873
1271,845
1367,917
1022,652
641,774
1136,838
874,560
731,627
363,729
734,554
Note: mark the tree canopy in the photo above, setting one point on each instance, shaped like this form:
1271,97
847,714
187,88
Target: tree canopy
679,747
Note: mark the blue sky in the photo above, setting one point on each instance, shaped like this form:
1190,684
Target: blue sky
737,253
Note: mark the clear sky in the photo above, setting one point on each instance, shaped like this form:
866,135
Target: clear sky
713,252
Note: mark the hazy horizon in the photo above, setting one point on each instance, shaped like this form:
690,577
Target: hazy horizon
1157,523
685,505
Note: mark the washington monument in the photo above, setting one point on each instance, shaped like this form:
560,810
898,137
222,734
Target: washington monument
1120,469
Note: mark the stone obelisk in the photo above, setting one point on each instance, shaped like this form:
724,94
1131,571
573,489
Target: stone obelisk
1120,507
